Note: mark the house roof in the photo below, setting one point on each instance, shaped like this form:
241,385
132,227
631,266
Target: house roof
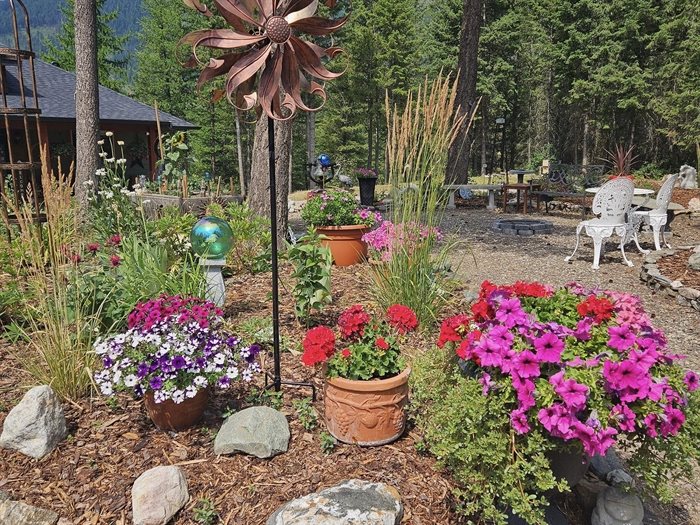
56,89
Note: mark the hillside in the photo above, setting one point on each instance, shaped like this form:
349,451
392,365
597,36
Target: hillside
45,19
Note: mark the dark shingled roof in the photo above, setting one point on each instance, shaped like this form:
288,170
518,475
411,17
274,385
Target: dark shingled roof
57,98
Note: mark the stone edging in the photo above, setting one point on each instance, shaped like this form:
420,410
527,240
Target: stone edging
650,273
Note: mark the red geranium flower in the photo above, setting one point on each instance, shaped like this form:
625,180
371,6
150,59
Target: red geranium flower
524,289
346,353
402,318
381,343
453,329
352,322
319,345
600,308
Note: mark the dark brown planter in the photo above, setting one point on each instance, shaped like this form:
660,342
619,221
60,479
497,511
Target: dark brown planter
345,243
366,413
169,415
569,465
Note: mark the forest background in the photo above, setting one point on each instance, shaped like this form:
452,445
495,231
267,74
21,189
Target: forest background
571,78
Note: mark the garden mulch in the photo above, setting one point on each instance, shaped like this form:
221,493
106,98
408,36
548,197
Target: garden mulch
676,268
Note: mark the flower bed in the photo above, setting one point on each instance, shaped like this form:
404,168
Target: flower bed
651,274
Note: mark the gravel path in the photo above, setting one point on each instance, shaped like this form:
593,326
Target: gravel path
504,259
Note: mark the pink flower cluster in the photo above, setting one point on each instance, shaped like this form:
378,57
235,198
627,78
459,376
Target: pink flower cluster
188,309
389,237
602,367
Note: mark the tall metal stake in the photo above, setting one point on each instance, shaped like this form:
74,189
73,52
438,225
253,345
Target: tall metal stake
277,370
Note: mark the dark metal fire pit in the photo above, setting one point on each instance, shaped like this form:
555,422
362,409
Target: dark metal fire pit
522,227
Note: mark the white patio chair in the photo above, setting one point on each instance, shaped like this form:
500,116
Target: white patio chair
657,217
612,202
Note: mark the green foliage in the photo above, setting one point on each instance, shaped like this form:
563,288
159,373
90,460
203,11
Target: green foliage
256,330
650,170
312,264
328,443
114,280
252,240
470,435
266,397
172,230
333,208
111,57
205,512
177,158
308,417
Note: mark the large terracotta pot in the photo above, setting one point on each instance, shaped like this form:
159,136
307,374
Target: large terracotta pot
169,415
345,243
366,413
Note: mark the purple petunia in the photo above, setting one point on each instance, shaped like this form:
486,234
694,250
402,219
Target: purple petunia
621,337
549,348
527,365
511,313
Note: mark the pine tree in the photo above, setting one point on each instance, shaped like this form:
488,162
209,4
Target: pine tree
111,58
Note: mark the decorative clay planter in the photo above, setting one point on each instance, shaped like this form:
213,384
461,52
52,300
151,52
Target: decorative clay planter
169,415
345,243
366,413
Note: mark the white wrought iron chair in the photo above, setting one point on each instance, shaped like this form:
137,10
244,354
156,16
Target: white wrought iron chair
612,203
657,217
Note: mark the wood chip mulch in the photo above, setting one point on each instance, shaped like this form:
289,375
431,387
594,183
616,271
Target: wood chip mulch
675,267
88,479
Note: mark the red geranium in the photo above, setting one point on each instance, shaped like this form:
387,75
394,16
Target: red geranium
346,353
402,318
352,322
381,343
600,308
524,289
453,329
319,345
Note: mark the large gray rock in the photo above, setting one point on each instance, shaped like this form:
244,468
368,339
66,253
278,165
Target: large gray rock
353,502
259,431
158,494
694,261
617,507
16,513
36,425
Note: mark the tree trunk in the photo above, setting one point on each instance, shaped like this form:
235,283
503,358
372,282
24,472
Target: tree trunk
310,145
239,151
87,112
484,142
584,155
259,189
458,161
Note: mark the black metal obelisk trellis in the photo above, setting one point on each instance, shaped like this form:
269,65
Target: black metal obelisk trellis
264,48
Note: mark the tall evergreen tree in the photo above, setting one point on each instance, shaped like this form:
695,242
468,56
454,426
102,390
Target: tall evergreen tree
112,59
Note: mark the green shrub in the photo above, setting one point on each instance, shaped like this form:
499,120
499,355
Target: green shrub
650,170
312,271
471,436
172,230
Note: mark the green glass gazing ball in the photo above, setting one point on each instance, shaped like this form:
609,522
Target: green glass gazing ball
212,238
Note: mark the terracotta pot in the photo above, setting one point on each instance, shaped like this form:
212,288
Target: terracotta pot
345,242
366,413
169,415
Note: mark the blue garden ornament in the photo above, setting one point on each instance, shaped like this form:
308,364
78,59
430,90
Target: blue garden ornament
212,239
325,161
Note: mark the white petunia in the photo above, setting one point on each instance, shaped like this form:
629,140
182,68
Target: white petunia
130,380
178,396
191,391
106,389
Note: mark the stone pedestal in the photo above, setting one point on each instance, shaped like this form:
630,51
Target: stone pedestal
216,292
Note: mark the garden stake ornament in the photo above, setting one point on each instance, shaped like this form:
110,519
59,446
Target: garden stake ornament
268,67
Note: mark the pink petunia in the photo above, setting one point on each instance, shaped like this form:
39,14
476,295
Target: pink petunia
549,348
624,416
573,394
518,419
691,381
672,421
524,390
527,365
621,337
489,353
510,313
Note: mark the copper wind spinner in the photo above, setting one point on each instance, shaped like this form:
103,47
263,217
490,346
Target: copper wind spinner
263,48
